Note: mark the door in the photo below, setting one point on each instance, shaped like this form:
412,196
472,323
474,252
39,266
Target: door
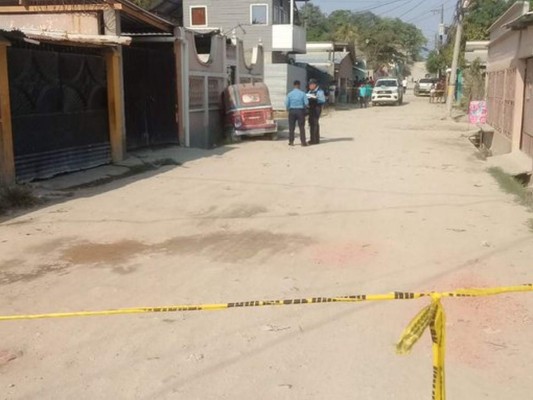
526,144
59,109
150,96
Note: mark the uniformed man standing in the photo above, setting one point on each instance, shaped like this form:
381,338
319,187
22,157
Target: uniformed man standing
296,103
316,101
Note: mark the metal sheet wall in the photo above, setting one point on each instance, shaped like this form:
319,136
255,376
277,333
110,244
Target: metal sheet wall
59,110
150,96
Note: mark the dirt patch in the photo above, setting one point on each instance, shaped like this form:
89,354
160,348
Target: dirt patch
8,277
96,253
243,211
235,211
482,330
6,356
228,247
10,264
343,254
236,247
50,245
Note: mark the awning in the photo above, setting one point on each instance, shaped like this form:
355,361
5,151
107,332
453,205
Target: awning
521,22
95,40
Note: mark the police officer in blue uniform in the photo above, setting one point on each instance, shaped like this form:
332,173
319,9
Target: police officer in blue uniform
317,99
296,103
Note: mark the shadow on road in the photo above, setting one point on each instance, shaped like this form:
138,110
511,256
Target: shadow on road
140,165
343,139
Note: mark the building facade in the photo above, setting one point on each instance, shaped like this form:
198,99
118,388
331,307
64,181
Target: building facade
275,24
510,82
83,82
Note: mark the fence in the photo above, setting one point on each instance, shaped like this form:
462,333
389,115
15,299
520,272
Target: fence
501,100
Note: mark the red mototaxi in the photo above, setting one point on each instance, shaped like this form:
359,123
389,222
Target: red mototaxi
248,110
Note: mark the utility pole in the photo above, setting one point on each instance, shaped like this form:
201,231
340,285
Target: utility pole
457,48
441,26
440,34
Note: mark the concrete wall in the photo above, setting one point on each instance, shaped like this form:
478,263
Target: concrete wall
85,23
279,79
526,43
203,79
506,79
346,68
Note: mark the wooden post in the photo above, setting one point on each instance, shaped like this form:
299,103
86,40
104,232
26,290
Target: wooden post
7,158
115,104
180,109
518,116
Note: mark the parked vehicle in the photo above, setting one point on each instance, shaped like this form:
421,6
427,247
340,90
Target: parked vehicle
248,111
387,91
424,85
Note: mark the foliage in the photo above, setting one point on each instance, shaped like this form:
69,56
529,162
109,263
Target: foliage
481,15
16,196
382,40
143,3
315,21
512,186
435,62
474,84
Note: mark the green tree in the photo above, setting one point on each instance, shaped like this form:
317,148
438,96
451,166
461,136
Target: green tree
481,15
391,40
435,62
143,3
346,32
382,40
315,22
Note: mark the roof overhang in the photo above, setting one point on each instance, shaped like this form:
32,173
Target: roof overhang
36,36
130,12
521,22
518,8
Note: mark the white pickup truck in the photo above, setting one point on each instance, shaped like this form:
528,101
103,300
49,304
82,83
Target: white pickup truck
387,91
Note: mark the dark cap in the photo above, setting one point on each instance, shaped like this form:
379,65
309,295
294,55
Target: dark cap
312,80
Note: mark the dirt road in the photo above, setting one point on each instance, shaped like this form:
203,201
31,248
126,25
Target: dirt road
393,199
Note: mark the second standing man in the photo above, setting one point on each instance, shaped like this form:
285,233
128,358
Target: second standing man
316,101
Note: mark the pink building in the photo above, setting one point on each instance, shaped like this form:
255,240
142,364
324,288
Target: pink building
510,82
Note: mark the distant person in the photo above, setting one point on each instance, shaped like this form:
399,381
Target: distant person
296,103
362,95
368,93
317,99
432,93
404,85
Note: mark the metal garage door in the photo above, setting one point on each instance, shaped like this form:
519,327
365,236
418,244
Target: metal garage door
59,110
150,96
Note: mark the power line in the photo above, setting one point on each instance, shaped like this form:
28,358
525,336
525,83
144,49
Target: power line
413,8
379,6
395,8
420,16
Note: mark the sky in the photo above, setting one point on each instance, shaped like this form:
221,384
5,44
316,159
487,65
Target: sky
417,12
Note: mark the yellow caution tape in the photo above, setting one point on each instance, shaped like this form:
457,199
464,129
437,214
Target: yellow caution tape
267,303
431,316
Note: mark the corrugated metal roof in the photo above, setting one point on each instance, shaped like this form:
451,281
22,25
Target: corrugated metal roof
321,57
64,37
522,22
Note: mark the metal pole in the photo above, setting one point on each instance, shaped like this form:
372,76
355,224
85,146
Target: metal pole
441,27
292,11
455,62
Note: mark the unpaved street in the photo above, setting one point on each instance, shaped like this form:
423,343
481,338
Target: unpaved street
394,199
